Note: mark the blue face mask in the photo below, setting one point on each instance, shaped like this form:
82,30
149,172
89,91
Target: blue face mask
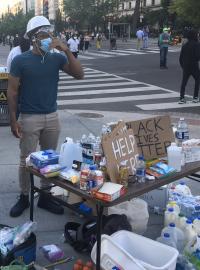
45,44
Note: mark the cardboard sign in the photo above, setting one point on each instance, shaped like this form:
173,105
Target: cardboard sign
119,145
153,136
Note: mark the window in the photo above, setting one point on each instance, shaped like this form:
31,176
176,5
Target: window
130,5
153,2
144,3
122,6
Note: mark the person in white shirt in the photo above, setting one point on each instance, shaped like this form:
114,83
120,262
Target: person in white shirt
73,44
139,35
24,45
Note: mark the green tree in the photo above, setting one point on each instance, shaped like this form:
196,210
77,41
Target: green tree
89,14
187,10
15,24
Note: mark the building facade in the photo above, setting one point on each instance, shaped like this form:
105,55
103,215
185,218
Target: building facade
48,8
126,7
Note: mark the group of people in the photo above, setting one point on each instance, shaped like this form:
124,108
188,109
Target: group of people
142,38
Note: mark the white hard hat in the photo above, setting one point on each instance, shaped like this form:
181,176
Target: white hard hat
35,23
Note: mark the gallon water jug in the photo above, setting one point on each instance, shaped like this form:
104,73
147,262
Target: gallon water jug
170,217
174,205
174,155
189,232
167,240
176,234
196,225
69,152
193,245
181,222
182,189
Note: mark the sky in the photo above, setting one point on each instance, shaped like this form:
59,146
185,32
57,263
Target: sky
4,4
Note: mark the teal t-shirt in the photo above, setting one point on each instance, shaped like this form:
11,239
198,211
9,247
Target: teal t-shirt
38,81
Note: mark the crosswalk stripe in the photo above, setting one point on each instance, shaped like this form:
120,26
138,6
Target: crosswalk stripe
163,106
97,85
97,54
74,81
132,52
85,57
109,91
91,76
115,99
115,52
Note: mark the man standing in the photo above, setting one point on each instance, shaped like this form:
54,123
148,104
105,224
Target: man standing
37,71
189,58
164,40
73,43
139,35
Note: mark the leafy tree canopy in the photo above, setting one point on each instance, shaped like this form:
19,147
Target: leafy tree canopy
187,10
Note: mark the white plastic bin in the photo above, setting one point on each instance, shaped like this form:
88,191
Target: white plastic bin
149,253
112,255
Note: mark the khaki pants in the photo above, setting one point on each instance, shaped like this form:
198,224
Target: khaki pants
42,129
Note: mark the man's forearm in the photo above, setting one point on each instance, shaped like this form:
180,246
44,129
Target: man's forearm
12,104
75,68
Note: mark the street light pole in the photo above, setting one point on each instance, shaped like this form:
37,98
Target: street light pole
26,6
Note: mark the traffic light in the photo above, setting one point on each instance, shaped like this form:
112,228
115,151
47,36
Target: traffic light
46,8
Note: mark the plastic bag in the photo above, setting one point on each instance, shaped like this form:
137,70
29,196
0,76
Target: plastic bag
136,211
52,252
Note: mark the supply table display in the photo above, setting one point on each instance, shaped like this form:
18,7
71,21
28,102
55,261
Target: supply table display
134,190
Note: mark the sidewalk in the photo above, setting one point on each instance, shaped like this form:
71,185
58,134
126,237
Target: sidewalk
50,227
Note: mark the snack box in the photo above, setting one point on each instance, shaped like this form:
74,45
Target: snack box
41,159
109,192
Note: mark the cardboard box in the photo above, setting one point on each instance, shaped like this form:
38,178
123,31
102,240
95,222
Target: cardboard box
109,192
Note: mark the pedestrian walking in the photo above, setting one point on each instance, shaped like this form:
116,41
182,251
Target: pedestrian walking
81,43
73,44
145,37
139,35
98,41
87,42
37,71
189,61
163,42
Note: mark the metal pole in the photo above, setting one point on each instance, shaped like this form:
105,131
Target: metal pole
26,3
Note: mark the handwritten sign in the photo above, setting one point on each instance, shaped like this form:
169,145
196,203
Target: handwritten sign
119,145
153,136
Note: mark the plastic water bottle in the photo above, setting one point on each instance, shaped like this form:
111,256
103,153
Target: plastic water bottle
189,232
170,217
167,240
174,155
174,205
140,169
181,222
176,234
69,152
182,189
182,133
196,225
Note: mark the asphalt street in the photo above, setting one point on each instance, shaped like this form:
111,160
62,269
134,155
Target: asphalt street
124,80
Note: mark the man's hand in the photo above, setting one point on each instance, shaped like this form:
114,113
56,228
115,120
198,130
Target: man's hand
58,44
16,129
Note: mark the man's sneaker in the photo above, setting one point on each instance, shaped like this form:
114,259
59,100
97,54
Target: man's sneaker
182,101
48,203
20,206
195,100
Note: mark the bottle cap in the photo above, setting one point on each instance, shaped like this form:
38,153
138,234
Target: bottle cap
166,235
74,166
180,215
171,209
188,221
182,183
172,225
141,157
182,119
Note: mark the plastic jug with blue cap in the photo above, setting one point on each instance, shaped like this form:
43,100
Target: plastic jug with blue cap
69,152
